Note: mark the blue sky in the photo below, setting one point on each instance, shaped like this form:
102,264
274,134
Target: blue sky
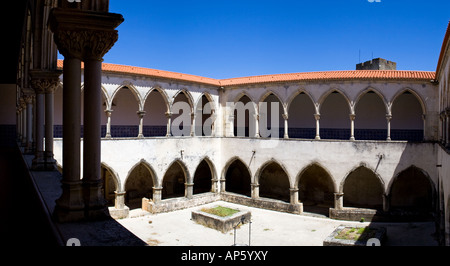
235,38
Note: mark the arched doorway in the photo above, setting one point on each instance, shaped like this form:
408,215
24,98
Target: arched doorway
363,189
274,182
316,190
138,185
174,181
238,179
203,178
412,194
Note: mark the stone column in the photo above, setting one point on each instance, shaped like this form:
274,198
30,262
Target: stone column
388,118
317,117
44,83
192,134
119,202
386,202
18,124
286,128
29,124
108,123
352,126
92,183
70,206
157,194
222,182
188,190
257,134
231,125
294,196
86,32
338,201
23,120
50,162
169,124
141,115
255,191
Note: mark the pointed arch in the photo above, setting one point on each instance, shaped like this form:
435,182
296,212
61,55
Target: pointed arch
301,108
412,192
244,123
139,183
273,181
188,97
297,93
316,188
324,96
174,180
201,117
335,109
238,177
363,187
413,92
272,92
156,106
134,91
163,94
374,90
203,176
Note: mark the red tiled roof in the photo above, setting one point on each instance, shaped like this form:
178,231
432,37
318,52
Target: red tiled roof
307,76
443,50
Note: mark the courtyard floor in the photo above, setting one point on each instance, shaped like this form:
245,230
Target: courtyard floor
268,228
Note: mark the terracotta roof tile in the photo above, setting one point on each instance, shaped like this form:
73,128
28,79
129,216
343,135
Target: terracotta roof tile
307,76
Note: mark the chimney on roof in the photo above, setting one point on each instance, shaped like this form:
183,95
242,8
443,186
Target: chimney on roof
377,64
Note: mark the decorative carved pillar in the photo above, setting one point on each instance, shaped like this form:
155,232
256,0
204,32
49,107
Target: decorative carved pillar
108,123
82,35
352,126
388,118
141,115
286,128
44,83
317,117
257,132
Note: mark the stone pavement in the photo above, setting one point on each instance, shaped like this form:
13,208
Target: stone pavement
268,228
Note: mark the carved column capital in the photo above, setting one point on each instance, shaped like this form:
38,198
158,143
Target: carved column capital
45,81
83,34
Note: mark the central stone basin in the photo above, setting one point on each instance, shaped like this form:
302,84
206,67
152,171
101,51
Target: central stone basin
228,219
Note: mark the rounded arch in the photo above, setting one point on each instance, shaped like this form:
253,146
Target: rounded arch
273,181
238,177
363,187
412,193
